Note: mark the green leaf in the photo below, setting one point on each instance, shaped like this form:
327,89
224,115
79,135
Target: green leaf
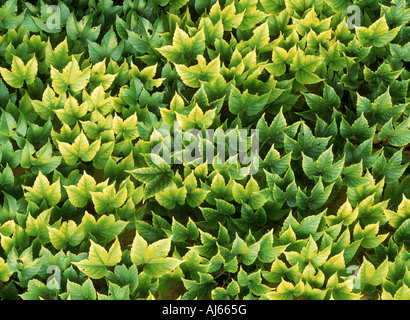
306,143
83,29
396,218
317,197
71,78
80,149
323,107
229,16
157,176
38,290
20,72
43,190
153,256
184,49
241,103
66,234
37,227
105,229
273,6
115,292
5,272
304,67
10,18
370,276
49,104
108,199
398,136
202,72
196,118
390,169
99,259
402,233
86,291
109,48
57,57
369,235
323,166
345,214
124,277
171,196
377,35
80,194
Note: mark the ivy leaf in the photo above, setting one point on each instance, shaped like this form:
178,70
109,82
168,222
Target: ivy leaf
274,163
398,136
267,252
369,235
196,118
80,194
71,112
109,48
345,214
43,160
5,272
98,101
317,198
57,57
115,292
42,190
85,291
369,276
377,35
37,227
306,143
392,169
229,16
323,107
396,218
397,14
280,57
359,129
287,291
250,193
241,103
99,260
194,196
20,72
383,75
273,6
338,5
83,29
171,196
67,234
184,49
49,104
154,257
147,36
38,290
275,132
402,233
157,176
304,67
8,12
80,149
108,200
123,277
71,78
323,166
194,76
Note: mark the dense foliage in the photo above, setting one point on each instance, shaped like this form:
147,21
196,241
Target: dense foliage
88,89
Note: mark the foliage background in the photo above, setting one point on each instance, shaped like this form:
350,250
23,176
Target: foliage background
87,87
